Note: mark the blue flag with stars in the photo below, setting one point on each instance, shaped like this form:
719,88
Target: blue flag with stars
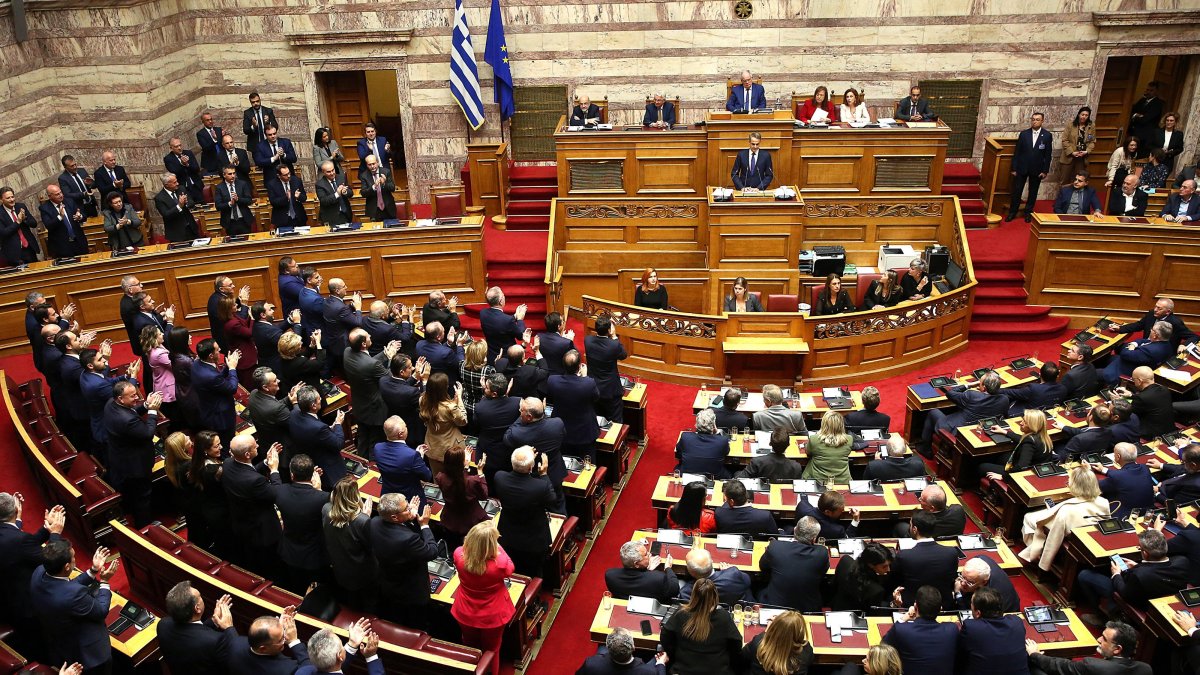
496,55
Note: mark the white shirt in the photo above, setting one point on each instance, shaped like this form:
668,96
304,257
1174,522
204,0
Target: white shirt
859,114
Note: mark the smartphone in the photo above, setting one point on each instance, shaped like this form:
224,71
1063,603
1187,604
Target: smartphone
1049,502
646,630
1172,510
1119,562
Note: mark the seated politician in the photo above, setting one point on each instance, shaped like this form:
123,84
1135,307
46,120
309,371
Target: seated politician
833,299
742,300
1129,200
660,114
818,108
1078,198
752,168
748,96
705,449
1183,206
853,109
650,293
913,108
585,113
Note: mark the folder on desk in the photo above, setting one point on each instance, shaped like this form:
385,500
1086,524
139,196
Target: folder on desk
976,542
755,484
640,605
916,484
926,389
676,537
573,463
865,487
739,542
844,621
806,486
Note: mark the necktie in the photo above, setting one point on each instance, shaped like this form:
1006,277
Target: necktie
374,150
79,182
261,130
20,230
753,156
291,205
112,176
236,213
660,115
378,194
62,213
341,202
213,133
274,149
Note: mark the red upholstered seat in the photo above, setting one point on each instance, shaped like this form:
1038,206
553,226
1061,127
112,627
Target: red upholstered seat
82,467
136,199
450,651
816,293
447,205
197,557
865,279
207,193
42,428
58,449
785,302
34,407
10,660
240,578
163,538
97,495
398,635
402,211
279,596
30,390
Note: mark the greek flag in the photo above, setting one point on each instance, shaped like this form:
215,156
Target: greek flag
464,74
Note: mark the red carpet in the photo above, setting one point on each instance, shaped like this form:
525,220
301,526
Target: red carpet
962,179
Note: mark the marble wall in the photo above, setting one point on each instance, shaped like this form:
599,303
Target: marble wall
130,74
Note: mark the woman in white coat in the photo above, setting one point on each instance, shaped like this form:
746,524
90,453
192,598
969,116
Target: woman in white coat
1044,530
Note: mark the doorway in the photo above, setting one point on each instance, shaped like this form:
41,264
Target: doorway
352,98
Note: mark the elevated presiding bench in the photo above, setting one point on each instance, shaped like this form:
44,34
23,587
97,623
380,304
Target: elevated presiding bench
398,265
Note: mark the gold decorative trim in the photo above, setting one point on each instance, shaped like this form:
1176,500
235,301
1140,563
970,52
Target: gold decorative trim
843,210
633,211
870,325
647,320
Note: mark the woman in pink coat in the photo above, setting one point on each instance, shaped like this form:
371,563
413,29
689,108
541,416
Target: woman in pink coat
482,605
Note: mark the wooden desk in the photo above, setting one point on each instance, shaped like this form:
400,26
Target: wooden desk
812,404
612,452
744,447
1159,618
399,264
586,497
922,397
138,645
634,402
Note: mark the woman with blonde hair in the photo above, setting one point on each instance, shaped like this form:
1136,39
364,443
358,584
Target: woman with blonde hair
298,364
783,649
482,605
472,372
1033,445
1045,529
829,450
344,522
882,659
444,416
701,637
162,374
884,291
177,462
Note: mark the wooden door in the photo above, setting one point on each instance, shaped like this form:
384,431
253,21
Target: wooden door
345,95
1117,95
1170,74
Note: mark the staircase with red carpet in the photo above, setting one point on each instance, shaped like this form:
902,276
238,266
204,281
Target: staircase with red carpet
962,179
530,190
1001,312
514,261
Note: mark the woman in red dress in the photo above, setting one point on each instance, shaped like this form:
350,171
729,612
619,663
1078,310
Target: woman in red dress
482,604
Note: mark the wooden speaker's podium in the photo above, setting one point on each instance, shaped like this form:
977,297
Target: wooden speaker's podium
728,133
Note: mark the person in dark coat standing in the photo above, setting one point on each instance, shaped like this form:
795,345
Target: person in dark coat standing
302,547
401,392
402,544
574,396
131,447
1030,164
401,467
494,414
20,555
73,612
796,569
554,343
603,351
546,436
261,651
339,319
527,497
363,373
639,575
500,329
251,498
323,442
190,644
214,386
270,414
925,645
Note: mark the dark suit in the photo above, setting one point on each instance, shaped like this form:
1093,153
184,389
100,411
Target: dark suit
338,319
525,528
302,547
994,646
441,357
653,114
1091,665
745,520
264,156
973,405
1158,139
772,467
928,563
830,528
998,581
335,208
401,551
243,221
547,436
739,99
289,291
1183,487
527,379
553,347
214,389
381,153
1131,485
1116,203
1084,441
195,648
97,391
254,124
757,176
130,442
362,374
266,336
905,108
105,182
270,417
189,175
382,332
12,251
1138,585
894,468
1144,353
1089,202
500,330
369,195
1180,333
282,199
1080,381
431,313
64,234
574,399
210,146
602,664
1187,544
75,187
662,585
1152,405
72,615
1036,395
242,661
401,469
493,417
925,646
178,222
20,555
1175,202
403,397
241,167
796,570
312,310
322,442
1030,160
702,453
251,498
580,117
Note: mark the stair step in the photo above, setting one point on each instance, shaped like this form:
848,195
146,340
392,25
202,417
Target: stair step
527,172
993,277
1017,330
959,170
528,207
1010,312
515,272
998,264
521,192
515,291
1002,294
971,191
972,206
529,223
975,221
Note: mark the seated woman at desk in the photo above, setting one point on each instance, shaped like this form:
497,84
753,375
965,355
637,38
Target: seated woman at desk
833,298
1033,446
1154,174
703,450
884,292
852,108
916,283
818,108
742,300
122,224
689,513
651,294
1044,530
829,451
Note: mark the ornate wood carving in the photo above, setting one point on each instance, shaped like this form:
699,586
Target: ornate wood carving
647,320
844,210
634,211
868,325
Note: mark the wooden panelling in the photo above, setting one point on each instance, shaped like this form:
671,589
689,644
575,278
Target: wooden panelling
420,259
1177,276
830,174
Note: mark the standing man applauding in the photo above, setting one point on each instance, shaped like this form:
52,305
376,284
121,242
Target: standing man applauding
1030,164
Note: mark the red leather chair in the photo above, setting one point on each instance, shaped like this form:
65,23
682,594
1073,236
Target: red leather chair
240,578
785,302
58,450
402,212
136,199
82,466
450,651
283,597
42,428
29,390
198,558
816,293
34,407
98,496
865,280
163,538
10,660
394,634
207,193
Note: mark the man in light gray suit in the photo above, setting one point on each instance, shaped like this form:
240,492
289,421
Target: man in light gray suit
776,415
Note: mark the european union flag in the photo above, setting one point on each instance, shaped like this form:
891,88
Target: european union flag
496,55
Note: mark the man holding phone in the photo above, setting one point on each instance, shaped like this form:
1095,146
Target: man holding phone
1155,576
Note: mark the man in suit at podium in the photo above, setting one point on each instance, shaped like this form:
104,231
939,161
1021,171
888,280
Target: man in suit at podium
752,168
660,114
585,113
913,108
748,96
1129,200
1030,163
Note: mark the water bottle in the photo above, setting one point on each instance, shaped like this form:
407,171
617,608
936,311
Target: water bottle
779,103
